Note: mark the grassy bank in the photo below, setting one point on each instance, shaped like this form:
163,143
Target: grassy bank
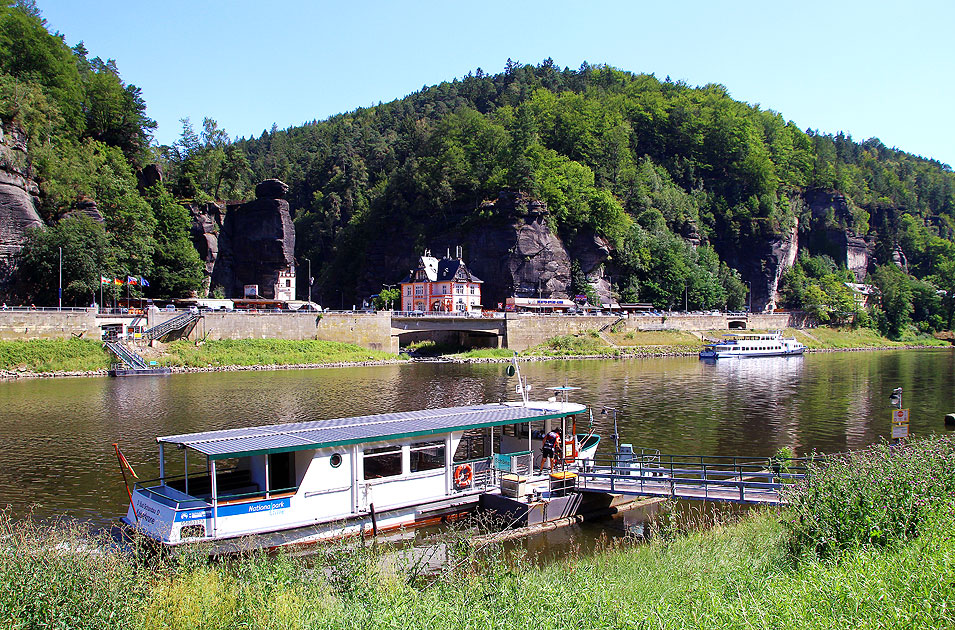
53,355
266,352
78,355
621,342
765,571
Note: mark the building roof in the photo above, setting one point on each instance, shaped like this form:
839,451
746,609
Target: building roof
281,438
443,270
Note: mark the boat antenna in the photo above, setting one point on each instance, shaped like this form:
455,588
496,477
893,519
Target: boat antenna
521,383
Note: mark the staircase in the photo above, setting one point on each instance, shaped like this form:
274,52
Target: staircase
127,356
180,322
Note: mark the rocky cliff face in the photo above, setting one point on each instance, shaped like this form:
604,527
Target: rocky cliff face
832,231
516,253
256,242
207,221
18,201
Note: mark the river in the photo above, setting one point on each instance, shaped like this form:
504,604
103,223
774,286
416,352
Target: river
57,458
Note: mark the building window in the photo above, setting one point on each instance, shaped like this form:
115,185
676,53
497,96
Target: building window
472,290
384,461
408,292
427,456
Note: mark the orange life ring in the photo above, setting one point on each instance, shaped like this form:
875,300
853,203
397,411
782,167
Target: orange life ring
463,476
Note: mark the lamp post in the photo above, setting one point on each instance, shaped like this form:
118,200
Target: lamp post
749,295
388,287
309,261
59,305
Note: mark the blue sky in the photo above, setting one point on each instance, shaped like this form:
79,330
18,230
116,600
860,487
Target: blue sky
869,68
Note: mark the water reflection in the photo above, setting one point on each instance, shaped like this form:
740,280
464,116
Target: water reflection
57,450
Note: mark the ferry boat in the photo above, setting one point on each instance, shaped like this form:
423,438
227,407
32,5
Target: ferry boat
770,344
309,481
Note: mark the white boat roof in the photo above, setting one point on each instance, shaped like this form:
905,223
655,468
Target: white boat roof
282,438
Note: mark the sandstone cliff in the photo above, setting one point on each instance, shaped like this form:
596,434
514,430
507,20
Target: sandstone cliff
256,242
18,201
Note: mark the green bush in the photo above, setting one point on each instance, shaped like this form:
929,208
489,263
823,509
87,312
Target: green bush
879,496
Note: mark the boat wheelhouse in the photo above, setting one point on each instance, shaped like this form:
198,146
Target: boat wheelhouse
740,345
309,481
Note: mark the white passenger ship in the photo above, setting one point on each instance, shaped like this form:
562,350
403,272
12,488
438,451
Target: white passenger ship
308,481
752,345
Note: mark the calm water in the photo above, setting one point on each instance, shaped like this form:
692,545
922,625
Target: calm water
56,454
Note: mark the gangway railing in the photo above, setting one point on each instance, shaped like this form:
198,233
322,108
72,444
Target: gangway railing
694,477
178,322
127,356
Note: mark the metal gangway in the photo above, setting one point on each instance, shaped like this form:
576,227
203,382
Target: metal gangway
127,356
180,322
736,479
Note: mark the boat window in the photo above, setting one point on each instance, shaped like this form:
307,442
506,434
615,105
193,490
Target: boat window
335,460
427,455
384,461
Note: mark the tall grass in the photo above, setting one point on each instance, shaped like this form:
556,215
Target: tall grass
734,573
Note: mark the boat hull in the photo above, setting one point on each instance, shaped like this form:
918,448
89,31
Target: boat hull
747,355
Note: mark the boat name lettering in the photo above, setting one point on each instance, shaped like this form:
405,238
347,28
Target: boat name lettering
272,505
143,507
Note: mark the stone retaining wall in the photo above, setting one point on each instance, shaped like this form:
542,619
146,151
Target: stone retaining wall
26,325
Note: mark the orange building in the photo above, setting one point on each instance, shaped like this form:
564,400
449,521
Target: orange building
444,286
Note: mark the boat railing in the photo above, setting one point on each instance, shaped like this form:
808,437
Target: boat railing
165,491
479,474
520,463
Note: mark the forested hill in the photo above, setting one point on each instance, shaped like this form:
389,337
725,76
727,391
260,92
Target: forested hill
638,160
588,181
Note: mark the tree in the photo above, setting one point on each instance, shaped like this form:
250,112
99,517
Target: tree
896,299
177,270
387,298
87,255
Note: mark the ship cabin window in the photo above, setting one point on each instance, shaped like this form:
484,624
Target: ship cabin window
384,461
427,456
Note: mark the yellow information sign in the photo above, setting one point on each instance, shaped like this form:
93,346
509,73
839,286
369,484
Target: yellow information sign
900,423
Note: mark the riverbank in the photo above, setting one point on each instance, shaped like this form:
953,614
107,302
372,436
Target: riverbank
78,357
885,559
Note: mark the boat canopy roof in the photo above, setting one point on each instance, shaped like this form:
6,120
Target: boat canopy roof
297,436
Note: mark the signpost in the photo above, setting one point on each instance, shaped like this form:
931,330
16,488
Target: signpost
900,417
900,423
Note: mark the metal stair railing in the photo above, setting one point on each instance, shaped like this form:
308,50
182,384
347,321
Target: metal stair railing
127,356
176,323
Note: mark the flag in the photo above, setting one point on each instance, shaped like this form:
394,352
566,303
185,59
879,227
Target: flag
143,281
118,282
105,280
132,280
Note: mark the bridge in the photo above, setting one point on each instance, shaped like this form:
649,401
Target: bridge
734,479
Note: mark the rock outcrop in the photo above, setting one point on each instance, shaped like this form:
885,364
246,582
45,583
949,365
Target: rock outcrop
832,231
516,253
85,206
206,224
256,242
18,201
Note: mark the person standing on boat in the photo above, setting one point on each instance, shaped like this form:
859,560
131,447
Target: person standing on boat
552,443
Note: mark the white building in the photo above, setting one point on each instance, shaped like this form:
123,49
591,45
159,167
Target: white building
285,285
444,285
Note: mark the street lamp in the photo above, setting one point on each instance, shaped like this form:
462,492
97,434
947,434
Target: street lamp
309,261
749,294
388,287
59,305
